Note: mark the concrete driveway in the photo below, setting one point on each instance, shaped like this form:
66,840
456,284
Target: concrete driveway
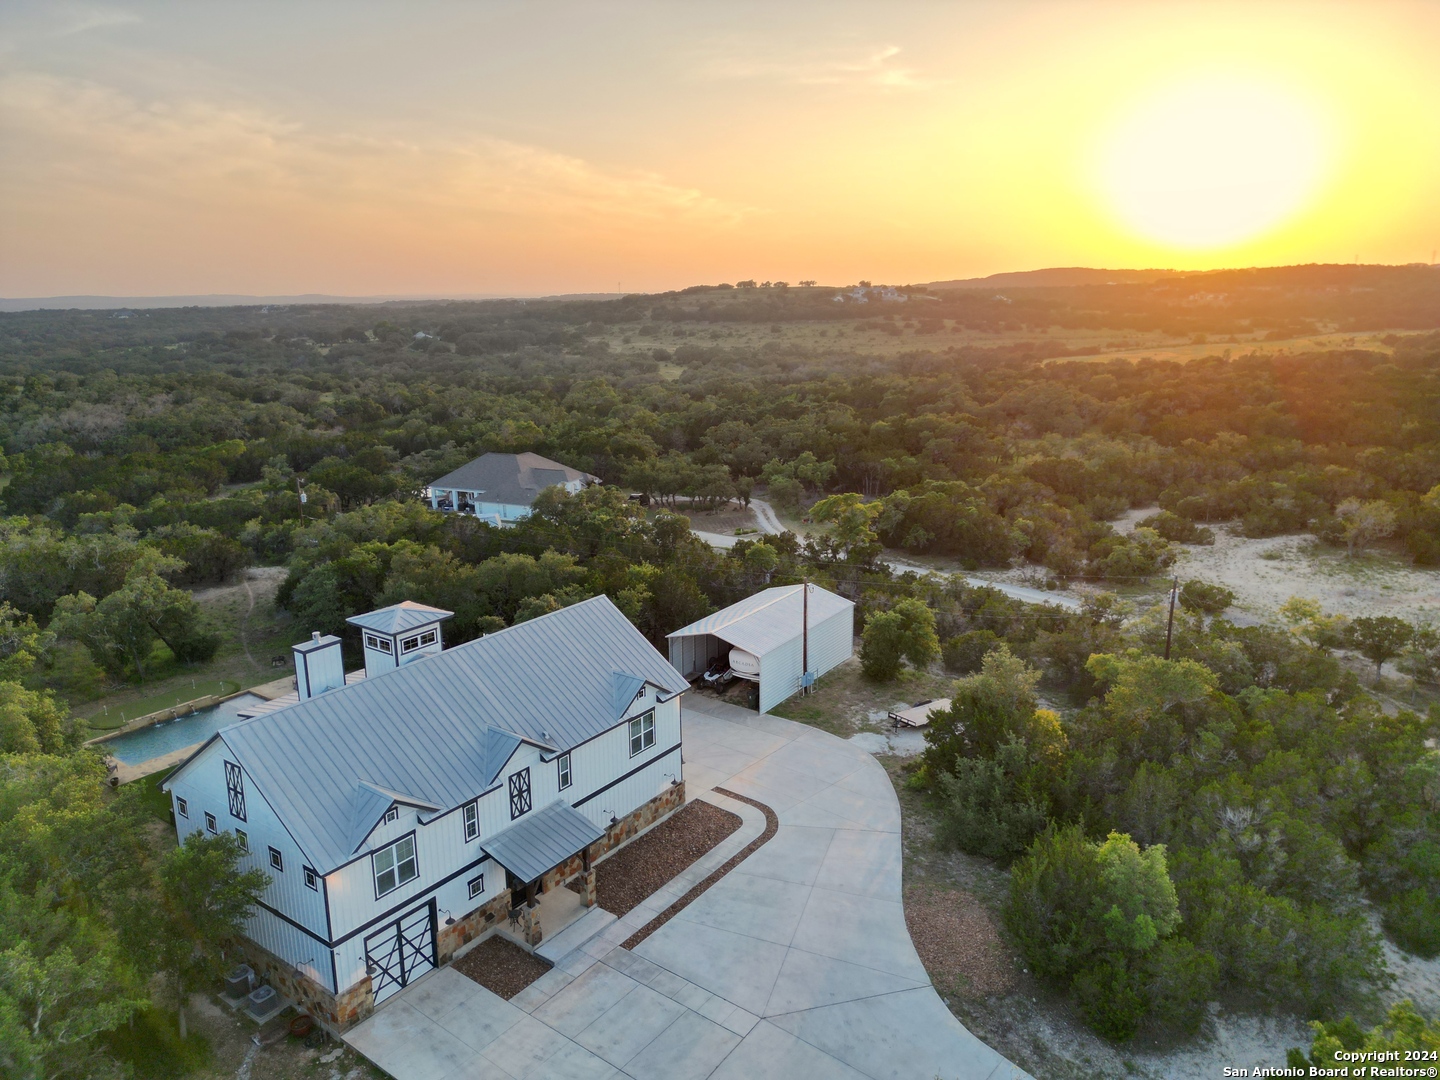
796,964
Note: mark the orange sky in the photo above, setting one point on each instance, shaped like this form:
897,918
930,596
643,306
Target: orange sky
529,148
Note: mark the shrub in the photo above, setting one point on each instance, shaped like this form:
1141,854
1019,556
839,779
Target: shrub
1412,920
964,653
1177,529
1205,599
991,807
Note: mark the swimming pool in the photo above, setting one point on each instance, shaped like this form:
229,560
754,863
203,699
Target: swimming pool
160,739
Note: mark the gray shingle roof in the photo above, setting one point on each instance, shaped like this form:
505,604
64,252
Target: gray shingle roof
511,479
542,840
397,618
441,728
769,618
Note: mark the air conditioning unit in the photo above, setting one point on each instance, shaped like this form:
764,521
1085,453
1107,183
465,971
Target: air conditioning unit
262,999
240,982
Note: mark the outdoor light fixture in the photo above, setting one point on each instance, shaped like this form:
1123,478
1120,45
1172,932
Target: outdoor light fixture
369,967
449,918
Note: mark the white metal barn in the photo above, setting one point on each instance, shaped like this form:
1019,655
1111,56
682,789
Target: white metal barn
779,638
405,814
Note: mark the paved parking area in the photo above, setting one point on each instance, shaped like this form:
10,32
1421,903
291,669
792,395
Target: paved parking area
796,964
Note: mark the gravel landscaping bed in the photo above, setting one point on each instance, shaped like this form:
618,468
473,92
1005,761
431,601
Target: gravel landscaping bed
958,942
639,868
501,966
772,826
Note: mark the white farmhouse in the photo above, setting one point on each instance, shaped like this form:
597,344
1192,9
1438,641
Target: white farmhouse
501,488
401,816
783,638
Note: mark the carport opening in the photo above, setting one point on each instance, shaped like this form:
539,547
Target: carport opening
715,666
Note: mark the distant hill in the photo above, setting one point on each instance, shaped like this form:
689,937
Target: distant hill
1058,277
143,303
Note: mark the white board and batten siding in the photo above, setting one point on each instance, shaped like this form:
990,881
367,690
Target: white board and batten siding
832,641
301,935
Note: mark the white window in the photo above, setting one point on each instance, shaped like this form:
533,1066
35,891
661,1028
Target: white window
277,861
182,806
564,767
472,820
642,733
312,879
418,642
244,840
477,886
210,822
394,866
393,814
379,643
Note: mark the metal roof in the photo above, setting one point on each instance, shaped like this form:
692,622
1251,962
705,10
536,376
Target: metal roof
542,840
511,479
397,618
768,619
441,728
316,642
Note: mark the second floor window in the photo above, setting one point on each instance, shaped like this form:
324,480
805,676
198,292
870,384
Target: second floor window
472,820
244,840
564,768
642,733
394,866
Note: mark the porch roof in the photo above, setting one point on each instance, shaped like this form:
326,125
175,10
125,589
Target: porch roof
542,840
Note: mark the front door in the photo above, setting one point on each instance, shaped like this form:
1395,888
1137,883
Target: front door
400,952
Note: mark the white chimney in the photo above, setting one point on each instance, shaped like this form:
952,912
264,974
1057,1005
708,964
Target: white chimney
318,666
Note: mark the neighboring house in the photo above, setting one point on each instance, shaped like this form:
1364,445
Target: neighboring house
781,638
401,816
501,488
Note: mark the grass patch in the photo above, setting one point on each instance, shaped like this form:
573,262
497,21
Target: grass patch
152,1047
155,801
104,716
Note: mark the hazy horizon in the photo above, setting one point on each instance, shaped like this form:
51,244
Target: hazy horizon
166,149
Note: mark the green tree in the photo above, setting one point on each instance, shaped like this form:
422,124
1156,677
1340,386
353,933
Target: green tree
1364,522
905,632
204,902
1404,1030
1204,599
1379,638
851,521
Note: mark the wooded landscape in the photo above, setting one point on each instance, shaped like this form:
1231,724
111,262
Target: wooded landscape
1245,820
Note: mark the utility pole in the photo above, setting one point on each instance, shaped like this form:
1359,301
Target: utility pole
1170,626
299,491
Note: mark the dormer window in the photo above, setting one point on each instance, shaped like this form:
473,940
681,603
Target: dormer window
419,641
393,814
379,644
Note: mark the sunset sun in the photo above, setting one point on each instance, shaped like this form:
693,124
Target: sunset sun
1212,162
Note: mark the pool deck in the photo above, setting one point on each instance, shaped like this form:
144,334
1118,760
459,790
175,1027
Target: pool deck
124,774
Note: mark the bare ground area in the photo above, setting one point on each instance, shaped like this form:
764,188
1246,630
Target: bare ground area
501,966
282,1057
844,702
645,864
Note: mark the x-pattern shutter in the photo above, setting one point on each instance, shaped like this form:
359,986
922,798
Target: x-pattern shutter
235,790
519,794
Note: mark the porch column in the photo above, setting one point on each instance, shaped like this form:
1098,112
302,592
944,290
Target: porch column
530,918
588,895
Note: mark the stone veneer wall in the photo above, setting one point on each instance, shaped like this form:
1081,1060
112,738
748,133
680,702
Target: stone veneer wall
335,1011
357,1002
471,926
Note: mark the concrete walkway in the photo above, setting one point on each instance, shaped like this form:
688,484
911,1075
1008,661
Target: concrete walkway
796,964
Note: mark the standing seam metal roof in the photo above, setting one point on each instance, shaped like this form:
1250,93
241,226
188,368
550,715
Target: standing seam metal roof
770,618
440,729
510,479
542,840
397,618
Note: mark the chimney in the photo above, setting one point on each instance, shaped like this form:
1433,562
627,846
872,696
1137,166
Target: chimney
318,666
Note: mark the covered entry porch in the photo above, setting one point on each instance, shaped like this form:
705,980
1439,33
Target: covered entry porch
541,854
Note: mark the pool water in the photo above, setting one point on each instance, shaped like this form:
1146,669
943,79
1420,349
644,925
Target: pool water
160,739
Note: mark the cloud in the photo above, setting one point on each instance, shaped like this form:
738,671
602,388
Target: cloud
874,67
71,142
78,18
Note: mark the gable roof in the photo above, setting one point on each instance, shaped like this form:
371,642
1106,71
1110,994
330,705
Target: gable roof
397,618
440,729
511,479
771,617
